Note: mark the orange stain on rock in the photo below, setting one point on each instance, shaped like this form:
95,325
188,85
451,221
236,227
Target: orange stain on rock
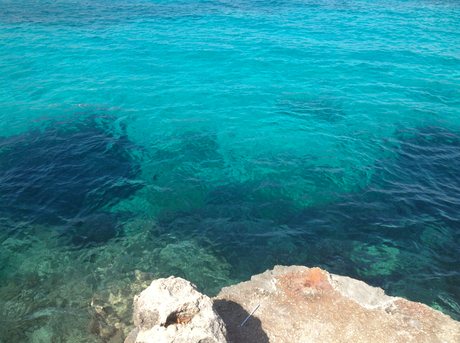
296,283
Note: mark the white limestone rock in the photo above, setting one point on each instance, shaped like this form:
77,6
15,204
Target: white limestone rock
172,310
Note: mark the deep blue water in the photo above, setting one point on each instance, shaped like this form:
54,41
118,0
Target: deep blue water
213,140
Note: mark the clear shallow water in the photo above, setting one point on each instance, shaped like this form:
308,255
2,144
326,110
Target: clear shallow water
212,140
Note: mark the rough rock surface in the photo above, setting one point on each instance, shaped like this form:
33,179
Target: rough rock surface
302,305
172,310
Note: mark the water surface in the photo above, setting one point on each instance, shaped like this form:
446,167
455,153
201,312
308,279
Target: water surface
213,140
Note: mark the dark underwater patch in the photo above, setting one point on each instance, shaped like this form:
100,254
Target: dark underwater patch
424,177
420,179
66,172
91,230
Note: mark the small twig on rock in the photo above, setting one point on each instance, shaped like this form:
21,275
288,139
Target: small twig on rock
254,310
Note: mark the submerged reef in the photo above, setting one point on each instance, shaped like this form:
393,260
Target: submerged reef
65,172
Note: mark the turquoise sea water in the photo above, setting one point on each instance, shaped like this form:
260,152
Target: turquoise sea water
215,139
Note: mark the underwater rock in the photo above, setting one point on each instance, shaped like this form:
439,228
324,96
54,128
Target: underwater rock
111,310
299,304
72,168
93,229
194,261
422,178
172,310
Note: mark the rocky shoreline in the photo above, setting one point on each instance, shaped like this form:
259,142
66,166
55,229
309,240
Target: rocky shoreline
292,304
